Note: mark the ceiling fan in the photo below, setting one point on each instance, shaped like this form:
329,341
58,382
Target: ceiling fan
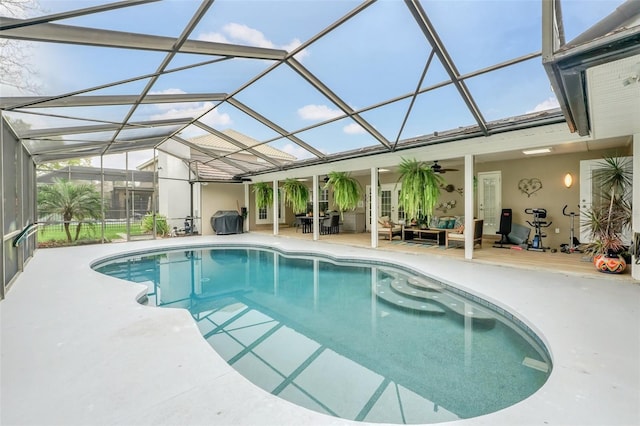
437,168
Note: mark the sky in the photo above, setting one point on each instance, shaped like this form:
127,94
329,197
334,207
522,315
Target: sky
379,54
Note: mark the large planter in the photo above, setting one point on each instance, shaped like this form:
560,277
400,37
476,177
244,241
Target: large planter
610,264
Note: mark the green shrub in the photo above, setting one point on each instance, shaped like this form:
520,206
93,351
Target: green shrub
162,227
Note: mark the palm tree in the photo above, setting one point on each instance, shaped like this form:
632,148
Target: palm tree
70,200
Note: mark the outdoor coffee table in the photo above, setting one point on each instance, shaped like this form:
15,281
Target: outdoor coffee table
418,235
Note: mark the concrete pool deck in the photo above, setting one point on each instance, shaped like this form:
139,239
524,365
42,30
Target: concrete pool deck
77,349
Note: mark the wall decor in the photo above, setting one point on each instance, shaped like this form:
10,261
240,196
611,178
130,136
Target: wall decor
529,186
447,205
448,188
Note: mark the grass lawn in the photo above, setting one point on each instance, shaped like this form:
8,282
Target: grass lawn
54,234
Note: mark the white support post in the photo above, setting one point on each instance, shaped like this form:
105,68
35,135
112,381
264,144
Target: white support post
468,206
246,206
373,205
316,209
276,207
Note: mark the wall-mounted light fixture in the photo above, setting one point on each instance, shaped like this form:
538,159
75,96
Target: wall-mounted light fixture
568,180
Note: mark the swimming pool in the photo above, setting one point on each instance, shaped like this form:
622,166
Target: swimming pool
351,339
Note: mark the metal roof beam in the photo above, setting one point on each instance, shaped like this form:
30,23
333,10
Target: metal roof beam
65,148
320,86
235,142
214,155
74,13
104,100
434,40
55,33
262,119
76,130
175,48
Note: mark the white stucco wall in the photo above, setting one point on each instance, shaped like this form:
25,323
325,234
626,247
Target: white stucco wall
219,196
173,186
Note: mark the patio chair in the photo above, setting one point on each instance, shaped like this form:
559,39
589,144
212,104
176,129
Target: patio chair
388,229
331,224
456,235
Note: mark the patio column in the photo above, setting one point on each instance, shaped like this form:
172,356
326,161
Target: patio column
468,206
276,207
246,206
316,210
635,215
373,205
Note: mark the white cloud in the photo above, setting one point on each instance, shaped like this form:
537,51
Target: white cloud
234,33
213,118
547,104
353,129
318,112
214,37
168,92
171,106
217,118
247,35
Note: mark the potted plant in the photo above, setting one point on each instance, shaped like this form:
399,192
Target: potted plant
607,218
347,191
264,194
296,195
420,188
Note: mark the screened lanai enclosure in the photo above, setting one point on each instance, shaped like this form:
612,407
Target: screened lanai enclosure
345,84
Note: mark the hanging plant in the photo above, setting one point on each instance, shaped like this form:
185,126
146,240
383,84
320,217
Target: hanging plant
347,191
264,194
420,188
296,195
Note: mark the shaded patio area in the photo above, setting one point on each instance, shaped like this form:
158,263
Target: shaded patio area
571,264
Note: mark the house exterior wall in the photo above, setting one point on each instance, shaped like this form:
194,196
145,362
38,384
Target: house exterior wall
553,196
219,196
174,191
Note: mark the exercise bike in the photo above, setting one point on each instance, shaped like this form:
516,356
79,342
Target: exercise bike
538,223
572,247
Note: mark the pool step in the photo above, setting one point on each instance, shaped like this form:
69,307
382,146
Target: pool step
449,302
385,292
418,290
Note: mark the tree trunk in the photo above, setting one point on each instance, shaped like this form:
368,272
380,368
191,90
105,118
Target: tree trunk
78,230
66,230
67,223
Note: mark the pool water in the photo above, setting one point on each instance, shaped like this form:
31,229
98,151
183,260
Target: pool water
354,340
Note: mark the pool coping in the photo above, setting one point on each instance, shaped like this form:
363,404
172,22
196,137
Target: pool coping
107,369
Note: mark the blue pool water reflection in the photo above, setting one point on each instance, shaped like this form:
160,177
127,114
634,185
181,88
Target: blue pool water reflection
359,341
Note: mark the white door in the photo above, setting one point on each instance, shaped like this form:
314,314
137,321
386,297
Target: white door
265,215
387,202
590,192
490,200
